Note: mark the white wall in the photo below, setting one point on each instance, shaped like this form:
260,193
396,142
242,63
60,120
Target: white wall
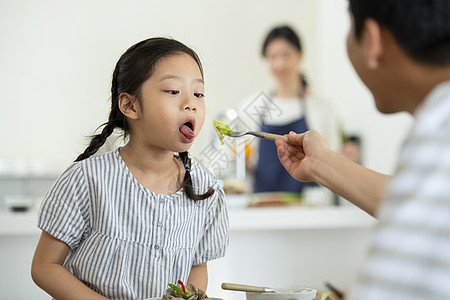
57,58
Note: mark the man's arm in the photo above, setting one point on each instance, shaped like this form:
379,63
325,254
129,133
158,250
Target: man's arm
309,158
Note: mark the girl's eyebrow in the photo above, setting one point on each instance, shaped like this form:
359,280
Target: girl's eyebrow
169,76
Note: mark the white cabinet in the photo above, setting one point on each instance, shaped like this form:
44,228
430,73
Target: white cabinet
281,247
293,246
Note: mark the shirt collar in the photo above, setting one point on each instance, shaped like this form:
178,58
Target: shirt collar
433,97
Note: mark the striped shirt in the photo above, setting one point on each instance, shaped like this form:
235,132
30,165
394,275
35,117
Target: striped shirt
410,257
127,242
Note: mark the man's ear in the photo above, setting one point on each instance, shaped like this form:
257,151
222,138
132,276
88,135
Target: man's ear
373,43
129,106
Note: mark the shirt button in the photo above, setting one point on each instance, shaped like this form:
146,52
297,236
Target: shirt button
161,200
159,224
157,247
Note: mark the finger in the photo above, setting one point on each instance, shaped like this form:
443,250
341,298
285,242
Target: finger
294,153
279,142
283,155
281,148
289,153
296,139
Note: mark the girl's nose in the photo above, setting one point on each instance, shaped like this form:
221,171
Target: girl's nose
190,104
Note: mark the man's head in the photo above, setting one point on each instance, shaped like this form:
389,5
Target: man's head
400,49
421,27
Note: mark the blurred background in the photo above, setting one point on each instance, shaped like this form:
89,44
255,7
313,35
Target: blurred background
57,59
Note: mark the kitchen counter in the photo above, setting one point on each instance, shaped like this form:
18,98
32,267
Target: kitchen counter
296,218
281,246
18,223
241,219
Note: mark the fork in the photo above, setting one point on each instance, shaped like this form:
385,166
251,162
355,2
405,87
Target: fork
260,134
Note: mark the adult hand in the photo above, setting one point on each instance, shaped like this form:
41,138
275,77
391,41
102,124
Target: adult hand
308,157
299,156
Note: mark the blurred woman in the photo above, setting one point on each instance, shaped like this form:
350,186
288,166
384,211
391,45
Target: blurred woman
286,107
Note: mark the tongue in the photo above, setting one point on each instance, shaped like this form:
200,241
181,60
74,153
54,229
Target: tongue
186,131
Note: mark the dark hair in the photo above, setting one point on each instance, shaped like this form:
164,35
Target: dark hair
421,27
134,67
288,34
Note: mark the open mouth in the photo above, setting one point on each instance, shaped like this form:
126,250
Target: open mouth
187,130
189,124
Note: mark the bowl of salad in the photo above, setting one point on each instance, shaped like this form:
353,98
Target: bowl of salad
180,291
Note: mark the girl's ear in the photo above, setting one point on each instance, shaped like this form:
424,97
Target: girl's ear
129,106
373,43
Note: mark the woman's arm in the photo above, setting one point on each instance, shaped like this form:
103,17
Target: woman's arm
199,276
309,158
48,272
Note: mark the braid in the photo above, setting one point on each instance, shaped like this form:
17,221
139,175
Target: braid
116,119
187,183
97,141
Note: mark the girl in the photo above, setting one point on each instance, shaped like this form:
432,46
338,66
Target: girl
124,224
289,108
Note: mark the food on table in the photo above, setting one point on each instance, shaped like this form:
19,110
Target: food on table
222,130
234,186
181,292
324,296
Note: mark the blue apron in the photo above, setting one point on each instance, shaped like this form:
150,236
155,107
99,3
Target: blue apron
270,175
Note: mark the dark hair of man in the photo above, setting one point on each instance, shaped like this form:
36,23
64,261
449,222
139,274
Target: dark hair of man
421,27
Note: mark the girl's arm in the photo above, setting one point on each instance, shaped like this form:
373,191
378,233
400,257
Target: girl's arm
199,276
309,158
48,272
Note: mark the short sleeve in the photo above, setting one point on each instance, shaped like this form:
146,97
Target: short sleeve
215,240
64,213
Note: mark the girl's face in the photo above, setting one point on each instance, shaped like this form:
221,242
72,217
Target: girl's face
283,59
172,104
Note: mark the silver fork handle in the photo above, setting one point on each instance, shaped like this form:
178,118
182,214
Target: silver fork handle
257,134
268,136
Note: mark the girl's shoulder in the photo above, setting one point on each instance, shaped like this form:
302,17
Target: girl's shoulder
110,158
202,176
112,155
92,165
199,169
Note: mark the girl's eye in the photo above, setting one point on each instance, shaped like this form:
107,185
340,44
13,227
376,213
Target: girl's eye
199,95
173,92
